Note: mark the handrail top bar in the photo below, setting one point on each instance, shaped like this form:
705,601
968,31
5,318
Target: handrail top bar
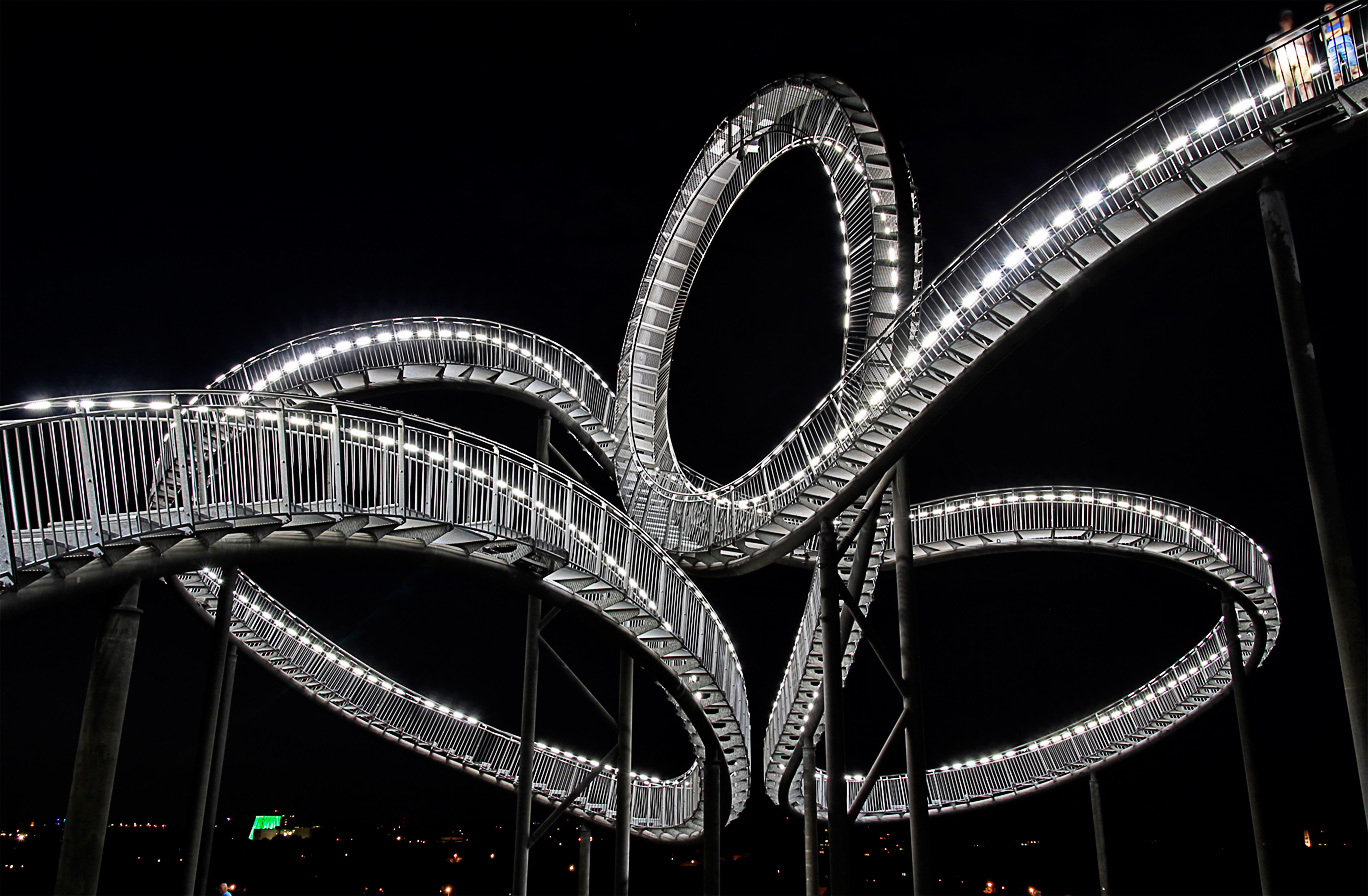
420,318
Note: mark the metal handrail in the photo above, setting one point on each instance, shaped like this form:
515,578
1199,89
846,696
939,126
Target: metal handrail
1055,516
1073,220
77,482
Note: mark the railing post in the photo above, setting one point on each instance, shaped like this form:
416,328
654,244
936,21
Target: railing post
282,450
213,694
522,825
914,739
88,492
832,686
451,478
1346,614
97,750
6,539
335,445
182,462
402,497
1099,836
1239,687
623,847
811,872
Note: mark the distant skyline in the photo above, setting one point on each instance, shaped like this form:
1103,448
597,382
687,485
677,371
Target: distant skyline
188,186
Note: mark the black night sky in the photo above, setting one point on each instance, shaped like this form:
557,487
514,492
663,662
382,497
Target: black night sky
188,185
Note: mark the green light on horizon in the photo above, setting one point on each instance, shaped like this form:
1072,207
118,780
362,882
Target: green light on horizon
266,823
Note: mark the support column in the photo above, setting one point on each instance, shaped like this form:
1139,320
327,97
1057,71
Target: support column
544,437
97,749
1099,837
213,693
586,842
522,824
811,870
623,847
914,738
714,815
1239,687
1345,611
837,847
216,769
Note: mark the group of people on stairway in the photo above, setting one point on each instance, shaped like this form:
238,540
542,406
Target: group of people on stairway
1292,57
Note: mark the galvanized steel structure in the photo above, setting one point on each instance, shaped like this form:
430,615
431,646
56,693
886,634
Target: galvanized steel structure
103,490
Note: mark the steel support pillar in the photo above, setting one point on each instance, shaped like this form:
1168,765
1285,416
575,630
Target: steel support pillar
831,586
1239,687
1345,612
586,842
522,824
216,768
1099,836
811,871
714,816
213,694
622,849
544,437
97,749
914,739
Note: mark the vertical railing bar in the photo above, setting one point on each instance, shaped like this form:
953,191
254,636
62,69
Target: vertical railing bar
282,444
335,447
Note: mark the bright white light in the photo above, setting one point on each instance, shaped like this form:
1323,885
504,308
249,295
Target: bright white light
1091,199
359,433
1316,68
159,405
1147,162
1038,238
991,279
1014,258
121,404
342,345
308,357
1242,106
384,336
324,351
444,333
1118,181
1209,125
913,356
1272,90
40,405
930,339
949,320
406,334
462,334
1063,218
847,272
235,412
290,366
273,376
1177,144
260,384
